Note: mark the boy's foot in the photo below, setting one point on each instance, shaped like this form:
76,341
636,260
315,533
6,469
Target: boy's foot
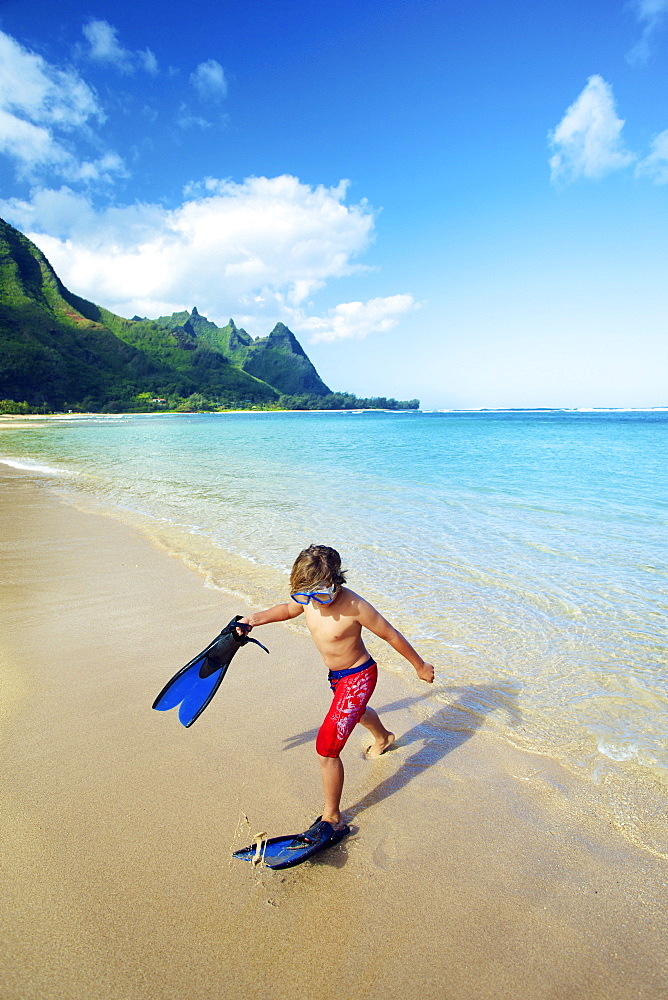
380,746
339,829
337,825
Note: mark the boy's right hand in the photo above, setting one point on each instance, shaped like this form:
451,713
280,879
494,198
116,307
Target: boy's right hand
426,672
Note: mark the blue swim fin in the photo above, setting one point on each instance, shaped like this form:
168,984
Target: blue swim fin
194,685
286,852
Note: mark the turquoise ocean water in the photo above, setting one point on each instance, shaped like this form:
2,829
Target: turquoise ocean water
523,553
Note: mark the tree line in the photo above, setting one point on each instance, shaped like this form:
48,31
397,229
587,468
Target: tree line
146,402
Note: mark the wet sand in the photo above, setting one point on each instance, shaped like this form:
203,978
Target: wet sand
473,871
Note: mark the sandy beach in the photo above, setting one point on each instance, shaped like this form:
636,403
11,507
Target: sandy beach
497,881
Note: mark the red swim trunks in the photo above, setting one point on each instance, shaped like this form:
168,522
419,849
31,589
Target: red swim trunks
352,689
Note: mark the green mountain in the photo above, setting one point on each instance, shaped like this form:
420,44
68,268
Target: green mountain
59,351
192,328
51,352
278,359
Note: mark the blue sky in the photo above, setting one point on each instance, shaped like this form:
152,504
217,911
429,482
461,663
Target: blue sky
465,204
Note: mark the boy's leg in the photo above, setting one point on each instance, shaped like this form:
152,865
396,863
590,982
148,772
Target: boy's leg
383,738
332,785
351,694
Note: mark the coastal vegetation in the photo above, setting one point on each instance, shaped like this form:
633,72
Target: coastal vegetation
60,352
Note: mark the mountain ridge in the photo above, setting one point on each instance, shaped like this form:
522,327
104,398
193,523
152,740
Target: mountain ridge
278,359
59,351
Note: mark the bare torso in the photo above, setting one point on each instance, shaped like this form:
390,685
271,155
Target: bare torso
336,630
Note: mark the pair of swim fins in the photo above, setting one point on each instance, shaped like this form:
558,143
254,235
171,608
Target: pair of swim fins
193,687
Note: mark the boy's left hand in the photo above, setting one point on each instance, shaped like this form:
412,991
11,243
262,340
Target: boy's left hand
246,627
426,672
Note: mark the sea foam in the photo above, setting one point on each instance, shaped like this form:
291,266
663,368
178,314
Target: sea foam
27,465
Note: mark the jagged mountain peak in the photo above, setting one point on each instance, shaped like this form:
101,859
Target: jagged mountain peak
114,359
282,335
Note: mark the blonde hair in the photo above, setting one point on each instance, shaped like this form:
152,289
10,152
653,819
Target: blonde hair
314,565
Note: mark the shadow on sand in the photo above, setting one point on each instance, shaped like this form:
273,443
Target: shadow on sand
440,733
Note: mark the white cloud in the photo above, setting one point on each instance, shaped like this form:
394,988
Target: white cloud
356,320
33,89
209,81
51,210
148,61
27,143
41,108
650,13
588,140
655,165
256,250
185,119
104,169
104,47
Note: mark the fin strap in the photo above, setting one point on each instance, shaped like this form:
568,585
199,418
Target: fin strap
245,627
319,833
257,643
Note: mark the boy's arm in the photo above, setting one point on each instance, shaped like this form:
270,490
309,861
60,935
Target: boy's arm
374,621
279,613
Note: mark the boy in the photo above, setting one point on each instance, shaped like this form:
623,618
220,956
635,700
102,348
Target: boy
335,616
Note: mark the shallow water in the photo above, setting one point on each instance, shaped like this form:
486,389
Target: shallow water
523,553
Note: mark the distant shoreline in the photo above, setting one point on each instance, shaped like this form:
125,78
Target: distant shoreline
16,419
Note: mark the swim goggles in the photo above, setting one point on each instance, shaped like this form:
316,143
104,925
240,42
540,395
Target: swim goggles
320,594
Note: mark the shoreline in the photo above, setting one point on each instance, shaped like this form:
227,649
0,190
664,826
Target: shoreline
18,417
119,824
16,420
